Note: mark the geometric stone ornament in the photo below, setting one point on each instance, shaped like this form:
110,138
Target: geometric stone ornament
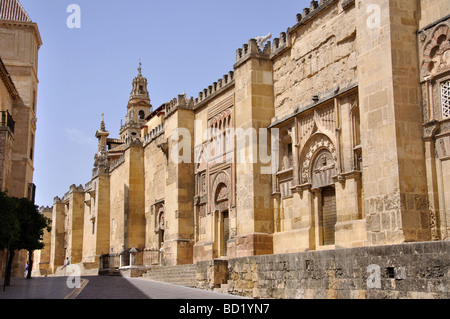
443,147
317,143
323,170
445,99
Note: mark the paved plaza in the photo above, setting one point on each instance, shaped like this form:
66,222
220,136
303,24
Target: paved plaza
102,288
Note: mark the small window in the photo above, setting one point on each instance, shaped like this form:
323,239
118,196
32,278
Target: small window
34,101
390,271
290,154
141,89
445,99
32,145
141,115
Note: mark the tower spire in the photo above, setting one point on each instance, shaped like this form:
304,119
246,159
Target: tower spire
138,108
102,124
139,90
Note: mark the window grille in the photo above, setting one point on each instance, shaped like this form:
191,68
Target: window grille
445,98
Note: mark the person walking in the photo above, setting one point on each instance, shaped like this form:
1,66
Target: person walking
26,269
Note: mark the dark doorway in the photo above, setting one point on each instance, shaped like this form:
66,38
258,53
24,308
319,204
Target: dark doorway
225,232
329,216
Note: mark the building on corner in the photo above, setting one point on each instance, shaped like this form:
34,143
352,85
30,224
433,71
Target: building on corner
327,137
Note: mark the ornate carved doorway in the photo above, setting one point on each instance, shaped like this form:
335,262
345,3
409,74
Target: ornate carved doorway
221,206
161,226
323,170
225,232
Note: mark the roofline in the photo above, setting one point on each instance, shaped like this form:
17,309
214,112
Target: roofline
25,25
155,112
6,78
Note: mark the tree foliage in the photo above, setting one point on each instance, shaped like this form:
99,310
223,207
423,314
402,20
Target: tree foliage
9,223
21,228
32,225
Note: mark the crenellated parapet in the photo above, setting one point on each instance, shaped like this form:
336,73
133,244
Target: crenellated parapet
132,141
154,134
252,50
45,209
307,15
281,43
313,10
72,189
214,89
116,163
180,102
76,189
57,200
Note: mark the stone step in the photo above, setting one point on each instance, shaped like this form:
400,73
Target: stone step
222,289
84,269
184,275
109,272
170,273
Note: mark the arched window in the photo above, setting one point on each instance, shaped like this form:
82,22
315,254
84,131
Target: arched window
141,115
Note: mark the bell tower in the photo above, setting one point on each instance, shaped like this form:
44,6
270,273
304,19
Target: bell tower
138,108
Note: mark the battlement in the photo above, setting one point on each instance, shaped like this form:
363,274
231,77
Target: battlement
251,50
313,10
45,209
153,134
132,141
281,43
180,102
90,186
78,189
116,163
308,14
56,200
72,189
215,88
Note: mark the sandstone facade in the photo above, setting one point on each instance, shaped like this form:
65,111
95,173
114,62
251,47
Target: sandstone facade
335,135
19,46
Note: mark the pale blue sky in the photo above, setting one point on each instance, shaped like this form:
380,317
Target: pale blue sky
184,46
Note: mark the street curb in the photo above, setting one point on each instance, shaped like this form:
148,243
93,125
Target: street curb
75,292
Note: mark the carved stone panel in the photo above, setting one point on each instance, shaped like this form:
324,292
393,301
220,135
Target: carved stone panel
159,218
323,170
285,188
316,144
436,50
443,147
220,191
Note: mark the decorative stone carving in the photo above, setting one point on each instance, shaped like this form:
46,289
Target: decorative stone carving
221,192
262,40
285,188
317,143
323,170
443,147
160,220
436,53
221,118
321,119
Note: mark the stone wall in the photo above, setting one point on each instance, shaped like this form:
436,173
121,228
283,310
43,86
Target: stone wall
412,270
432,10
320,54
127,201
19,53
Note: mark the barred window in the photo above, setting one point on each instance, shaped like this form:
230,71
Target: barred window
445,97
